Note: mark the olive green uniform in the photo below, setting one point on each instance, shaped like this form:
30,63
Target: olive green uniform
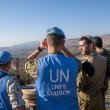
90,96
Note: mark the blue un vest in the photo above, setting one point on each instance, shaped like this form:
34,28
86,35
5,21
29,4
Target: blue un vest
4,99
56,84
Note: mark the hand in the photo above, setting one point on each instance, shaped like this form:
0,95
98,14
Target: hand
43,43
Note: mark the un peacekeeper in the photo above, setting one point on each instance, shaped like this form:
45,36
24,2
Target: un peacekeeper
90,83
10,92
104,52
56,83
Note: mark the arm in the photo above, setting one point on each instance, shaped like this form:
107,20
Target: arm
33,55
67,53
85,66
15,94
36,53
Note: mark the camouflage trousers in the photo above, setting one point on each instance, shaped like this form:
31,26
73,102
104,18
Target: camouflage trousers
93,101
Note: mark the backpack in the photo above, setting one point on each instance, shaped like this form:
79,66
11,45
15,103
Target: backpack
106,54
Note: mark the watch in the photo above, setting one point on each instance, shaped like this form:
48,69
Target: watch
40,49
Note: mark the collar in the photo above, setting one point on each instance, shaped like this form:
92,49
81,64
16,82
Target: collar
55,52
2,73
85,57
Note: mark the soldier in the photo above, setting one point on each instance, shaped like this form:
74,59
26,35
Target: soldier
10,92
56,83
90,82
104,52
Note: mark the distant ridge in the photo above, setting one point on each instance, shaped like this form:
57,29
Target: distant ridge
24,49
106,39
106,35
26,45
4,48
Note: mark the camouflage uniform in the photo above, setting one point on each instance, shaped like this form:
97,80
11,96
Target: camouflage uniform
14,93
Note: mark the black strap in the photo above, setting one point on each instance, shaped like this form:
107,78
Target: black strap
2,75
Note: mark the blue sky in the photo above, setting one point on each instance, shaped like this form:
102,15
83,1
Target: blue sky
27,20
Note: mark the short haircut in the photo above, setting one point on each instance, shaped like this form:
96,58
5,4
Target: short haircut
98,41
87,40
54,39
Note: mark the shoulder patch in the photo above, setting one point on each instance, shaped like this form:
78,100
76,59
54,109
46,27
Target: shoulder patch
31,68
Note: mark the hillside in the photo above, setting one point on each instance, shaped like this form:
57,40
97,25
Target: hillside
23,50
20,53
106,40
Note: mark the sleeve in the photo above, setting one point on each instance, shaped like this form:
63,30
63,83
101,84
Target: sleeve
31,68
14,93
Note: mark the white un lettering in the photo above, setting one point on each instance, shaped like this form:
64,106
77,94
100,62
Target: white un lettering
59,75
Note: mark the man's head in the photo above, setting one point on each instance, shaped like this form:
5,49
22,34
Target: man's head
57,31
98,42
5,60
86,45
55,37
